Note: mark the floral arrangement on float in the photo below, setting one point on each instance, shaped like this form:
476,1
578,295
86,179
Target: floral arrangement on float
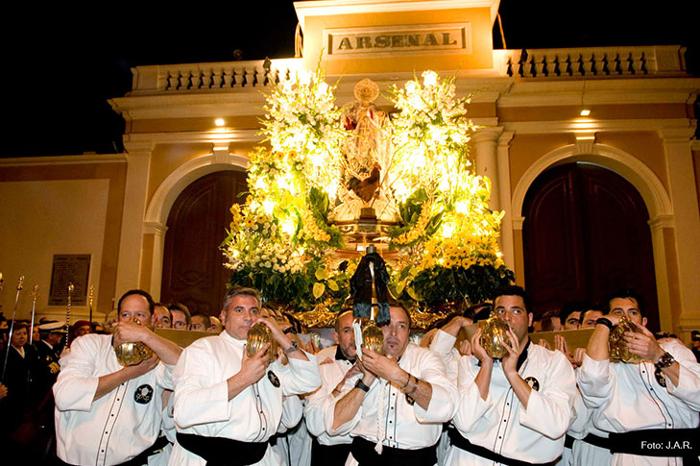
325,173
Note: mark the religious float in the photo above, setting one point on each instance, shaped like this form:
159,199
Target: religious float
330,181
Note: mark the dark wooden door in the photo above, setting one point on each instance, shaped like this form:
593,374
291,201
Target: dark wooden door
192,263
586,235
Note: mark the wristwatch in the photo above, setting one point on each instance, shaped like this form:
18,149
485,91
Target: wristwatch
361,385
292,348
604,321
664,361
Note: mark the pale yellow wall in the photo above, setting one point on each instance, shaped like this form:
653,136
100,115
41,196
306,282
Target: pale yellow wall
43,218
168,157
646,146
480,58
527,148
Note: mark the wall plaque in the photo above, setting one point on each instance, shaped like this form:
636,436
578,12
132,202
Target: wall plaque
69,268
399,39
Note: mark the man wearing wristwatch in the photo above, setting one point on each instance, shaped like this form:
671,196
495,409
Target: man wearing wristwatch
652,403
396,409
228,404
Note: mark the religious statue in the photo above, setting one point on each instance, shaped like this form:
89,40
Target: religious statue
366,157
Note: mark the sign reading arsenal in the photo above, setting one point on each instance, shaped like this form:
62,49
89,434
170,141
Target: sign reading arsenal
449,37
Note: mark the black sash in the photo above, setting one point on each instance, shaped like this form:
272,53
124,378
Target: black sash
569,441
651,442
329,455
141,458
219,451
463,444
363,451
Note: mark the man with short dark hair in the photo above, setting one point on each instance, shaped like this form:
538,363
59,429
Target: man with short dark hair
655,401
162,316
106,413
590,316
396,408
180,316
570,315
200,323
228,404
515,410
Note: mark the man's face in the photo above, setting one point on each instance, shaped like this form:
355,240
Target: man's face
162,317
346,336
396,333
512,309
572,321
629,308
240,315
589,318
198,324
85,329
179,319
35,333
134,309
20,337
54,338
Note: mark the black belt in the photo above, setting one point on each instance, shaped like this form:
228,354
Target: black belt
650,442
463,444
569,441
329,455
220,451
141,458
363,451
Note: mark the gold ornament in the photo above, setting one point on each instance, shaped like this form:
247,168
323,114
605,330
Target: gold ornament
494,335
260,335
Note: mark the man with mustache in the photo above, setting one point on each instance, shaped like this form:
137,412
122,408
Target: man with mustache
229,404
515,410
395,411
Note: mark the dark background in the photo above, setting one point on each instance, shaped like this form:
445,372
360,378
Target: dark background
61,64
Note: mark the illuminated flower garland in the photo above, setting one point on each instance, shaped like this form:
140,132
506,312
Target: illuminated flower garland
281,240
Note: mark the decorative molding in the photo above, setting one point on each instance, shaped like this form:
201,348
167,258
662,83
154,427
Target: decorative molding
155,228
593,125
584,143
189,137
678,134
518,222
349,7
662,221
166,193
487,134
63,160
634,170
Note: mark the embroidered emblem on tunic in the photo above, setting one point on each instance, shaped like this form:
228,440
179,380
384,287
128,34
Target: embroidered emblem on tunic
533,383
274,380
143,394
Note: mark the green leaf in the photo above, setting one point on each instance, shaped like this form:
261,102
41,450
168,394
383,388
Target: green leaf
319,289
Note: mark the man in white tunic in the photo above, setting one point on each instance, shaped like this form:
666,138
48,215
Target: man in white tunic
646,412
107,414
338,376
229,404
395,411
512,411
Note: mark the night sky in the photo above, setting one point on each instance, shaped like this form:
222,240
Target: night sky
61,64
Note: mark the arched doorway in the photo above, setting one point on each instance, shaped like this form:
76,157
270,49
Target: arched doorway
585,235
192,261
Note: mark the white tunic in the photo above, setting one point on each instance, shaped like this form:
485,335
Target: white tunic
318,403
386,412
119,425
627,397
202,406
500,423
